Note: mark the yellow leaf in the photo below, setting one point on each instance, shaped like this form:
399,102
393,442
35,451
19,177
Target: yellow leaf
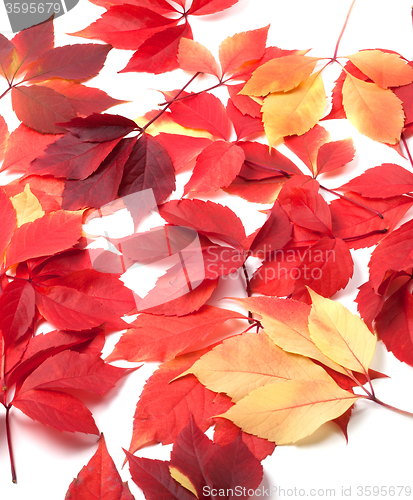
375,112
340,335
289,410
285,321
182,480
27,206
385,69
279,74
296,111
243,363
169,126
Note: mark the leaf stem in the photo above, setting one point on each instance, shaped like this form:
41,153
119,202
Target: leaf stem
167,105
406,147
390,407
268,168
343,29
352,201
249,293
9,444
219,84
366,235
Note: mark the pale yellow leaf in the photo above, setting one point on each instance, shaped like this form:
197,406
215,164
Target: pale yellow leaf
375,112
182,480
384,68
279,74
296,111
340,335
243,363
166,124
27,206
290,410
285,321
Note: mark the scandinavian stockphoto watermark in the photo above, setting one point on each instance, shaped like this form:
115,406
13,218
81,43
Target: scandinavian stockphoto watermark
16,15
126,237
160,263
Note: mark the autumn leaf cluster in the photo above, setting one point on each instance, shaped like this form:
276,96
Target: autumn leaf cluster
292,360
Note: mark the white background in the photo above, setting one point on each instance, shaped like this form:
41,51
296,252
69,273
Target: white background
379,440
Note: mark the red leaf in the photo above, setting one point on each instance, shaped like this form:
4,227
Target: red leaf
385,180
85,100
158,54
17,310
216,167
42,346
306,207
148,167
6,49
100,128
203,111
106,288
8,220
102,186
45,236
69,309
24,146
274,234
71,370
56,409
182,148
326,267
154,479
361,227
306,146
244,103
394,252
217,221
99,479
71,62
126,26
333,155
41,107
241,48
207,464
244,125
158,338
30,44
394,324
163,409
204,7
405,95
4,135
225,431
261,163
194,57
186,303
71,158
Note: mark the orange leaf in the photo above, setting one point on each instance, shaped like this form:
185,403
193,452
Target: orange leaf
375,112
236,50
192,56
385,69
296,111
280,74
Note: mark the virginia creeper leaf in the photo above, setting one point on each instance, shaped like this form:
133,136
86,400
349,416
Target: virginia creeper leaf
290,410
340,335
374,111
280,74
384,68
99,479
295,111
